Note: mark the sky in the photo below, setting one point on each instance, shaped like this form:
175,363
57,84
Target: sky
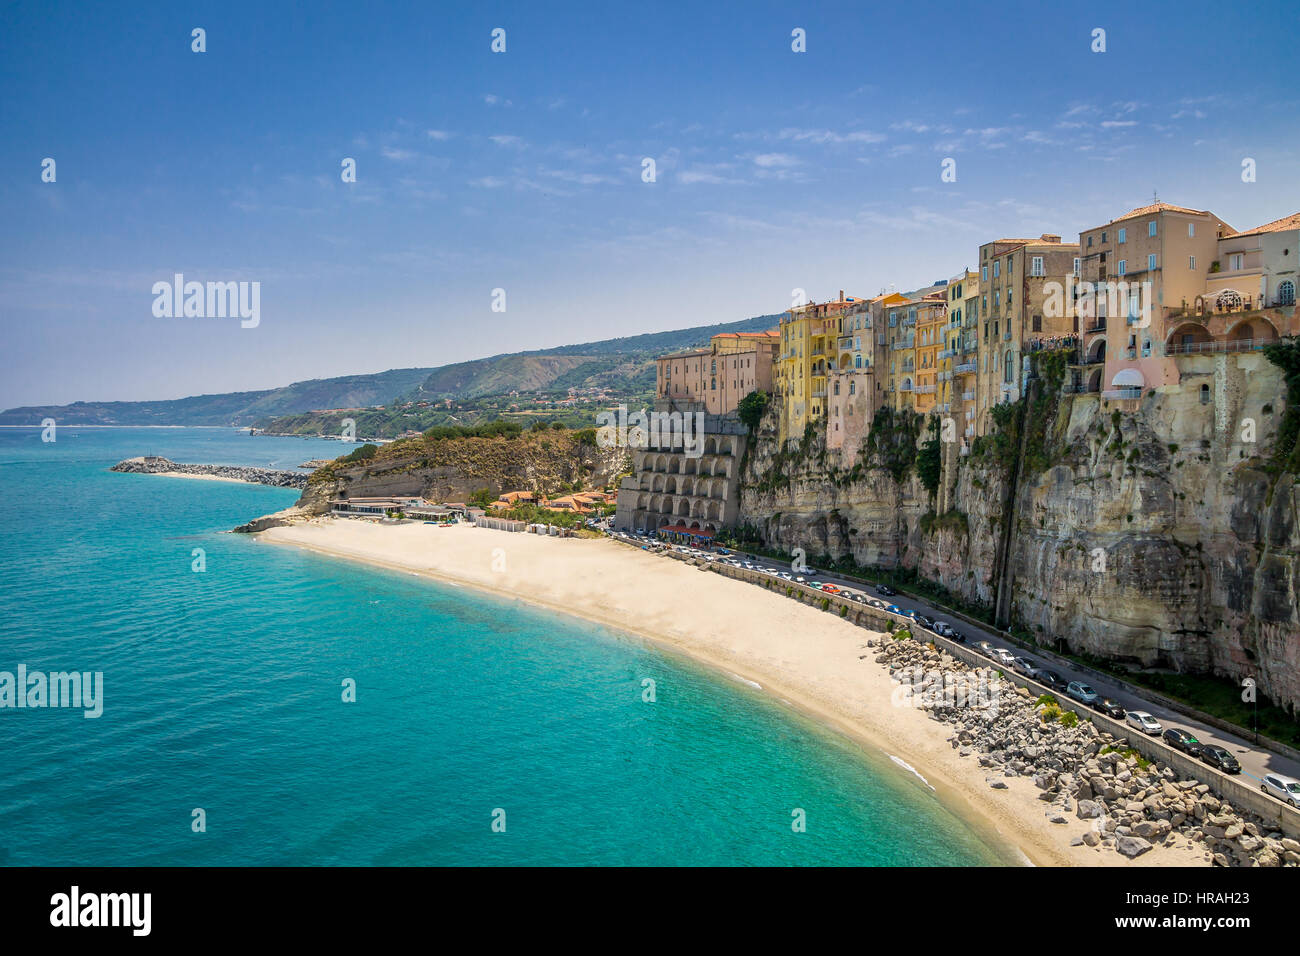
524,170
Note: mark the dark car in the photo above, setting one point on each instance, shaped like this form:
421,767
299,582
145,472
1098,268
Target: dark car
1184,741
1110,707
957,636
885,590
925,622
1220,758
1050,678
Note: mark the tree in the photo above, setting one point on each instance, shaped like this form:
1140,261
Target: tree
751,408
482,498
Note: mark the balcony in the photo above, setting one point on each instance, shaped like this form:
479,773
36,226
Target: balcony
897,346
905,387
909,322
1098,326
1123,393
846,343
1006,336
924,389
1197,348
968,396
965,368
946,354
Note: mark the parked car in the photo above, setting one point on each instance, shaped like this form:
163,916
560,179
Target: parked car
884,590
1142,721
925,622
1081,692
1023,665
875,603
1220,758
1184,741
1286,789
1004,656
957,636
943,629
894,609
1110,707
985,648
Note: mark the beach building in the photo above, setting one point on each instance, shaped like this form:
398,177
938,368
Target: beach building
671,485
373,507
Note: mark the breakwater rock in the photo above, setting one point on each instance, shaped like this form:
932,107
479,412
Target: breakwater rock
1089,781
154,465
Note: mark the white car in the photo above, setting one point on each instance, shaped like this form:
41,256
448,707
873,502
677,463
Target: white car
1286,789
943,629
1003,656
1143,722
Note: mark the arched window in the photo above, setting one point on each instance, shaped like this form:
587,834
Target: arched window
1228,301
1286,293
857,361
1205,394
1008,368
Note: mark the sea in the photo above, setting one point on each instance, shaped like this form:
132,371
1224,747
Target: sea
266,706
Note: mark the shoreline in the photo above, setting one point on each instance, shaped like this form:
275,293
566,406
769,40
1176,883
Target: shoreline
737,631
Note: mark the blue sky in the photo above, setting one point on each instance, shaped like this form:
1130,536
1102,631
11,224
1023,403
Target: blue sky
522,170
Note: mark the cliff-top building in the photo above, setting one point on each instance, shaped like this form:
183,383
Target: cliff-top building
719,376
1017,278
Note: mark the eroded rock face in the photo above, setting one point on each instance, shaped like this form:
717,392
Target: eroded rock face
1153,537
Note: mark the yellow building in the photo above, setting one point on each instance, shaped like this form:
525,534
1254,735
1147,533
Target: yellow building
958,359
931,317
809,342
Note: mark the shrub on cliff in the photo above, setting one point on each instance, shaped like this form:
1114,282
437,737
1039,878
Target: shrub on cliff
751,408
1286,448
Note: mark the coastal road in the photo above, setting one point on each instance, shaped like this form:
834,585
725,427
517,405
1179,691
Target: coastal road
1255,762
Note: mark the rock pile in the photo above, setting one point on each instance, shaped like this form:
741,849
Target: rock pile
152,465
1085,776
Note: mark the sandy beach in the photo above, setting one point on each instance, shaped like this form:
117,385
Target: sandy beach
814,662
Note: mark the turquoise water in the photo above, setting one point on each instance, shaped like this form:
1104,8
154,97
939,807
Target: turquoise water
223,692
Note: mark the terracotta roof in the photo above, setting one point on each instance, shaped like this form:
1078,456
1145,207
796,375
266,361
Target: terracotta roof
1277,225
1158,207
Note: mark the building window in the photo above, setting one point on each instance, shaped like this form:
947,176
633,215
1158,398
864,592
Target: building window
1191,230
1103,237
1151,261
1038,323
1123,236
1077,260
1036,266
1151,228
1090,242
1191,262
1205,394
984,273
1008,368
1286,293
853,387
1236,261
996,270
1122,267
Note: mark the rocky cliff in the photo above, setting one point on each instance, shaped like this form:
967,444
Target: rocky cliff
452,469
1160,533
